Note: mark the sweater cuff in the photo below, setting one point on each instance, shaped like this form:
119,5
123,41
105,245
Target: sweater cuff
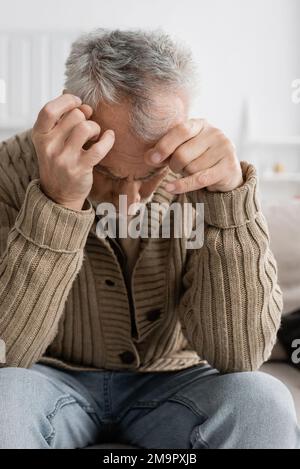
233,208
51,226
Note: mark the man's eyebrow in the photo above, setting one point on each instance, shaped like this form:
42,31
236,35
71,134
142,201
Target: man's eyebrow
107,171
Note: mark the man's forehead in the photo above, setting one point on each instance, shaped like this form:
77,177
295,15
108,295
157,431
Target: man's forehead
117,119
171,109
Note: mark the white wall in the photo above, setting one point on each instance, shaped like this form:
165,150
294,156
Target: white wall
246,49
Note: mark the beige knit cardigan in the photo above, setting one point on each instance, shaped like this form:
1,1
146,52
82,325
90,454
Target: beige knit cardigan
65,302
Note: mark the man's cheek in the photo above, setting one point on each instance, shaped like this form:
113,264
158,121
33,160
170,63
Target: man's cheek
102,188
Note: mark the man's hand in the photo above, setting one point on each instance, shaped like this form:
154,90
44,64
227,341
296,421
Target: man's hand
59,134
202,154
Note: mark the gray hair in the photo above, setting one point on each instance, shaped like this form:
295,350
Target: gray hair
113,65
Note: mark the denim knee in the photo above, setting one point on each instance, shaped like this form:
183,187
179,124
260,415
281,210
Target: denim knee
248,411
17,394
12,386
20,390
39,412
262,393
262,408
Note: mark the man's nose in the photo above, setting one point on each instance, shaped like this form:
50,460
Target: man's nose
132,190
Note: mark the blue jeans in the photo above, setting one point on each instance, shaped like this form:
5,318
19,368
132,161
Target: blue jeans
43,407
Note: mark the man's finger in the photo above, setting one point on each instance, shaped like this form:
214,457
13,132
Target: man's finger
193,152
70,120
100,149
195,182
84,108
52,112
81,133
87,110
208,159
168,144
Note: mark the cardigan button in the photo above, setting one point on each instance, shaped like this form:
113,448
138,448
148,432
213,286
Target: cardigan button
127,357
109,283
154,315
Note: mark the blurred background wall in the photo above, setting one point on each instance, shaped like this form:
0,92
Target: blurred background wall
248,53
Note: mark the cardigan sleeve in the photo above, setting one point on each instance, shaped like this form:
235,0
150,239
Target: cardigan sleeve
230,308
41,249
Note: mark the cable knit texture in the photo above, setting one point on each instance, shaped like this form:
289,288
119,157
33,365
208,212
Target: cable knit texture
66,300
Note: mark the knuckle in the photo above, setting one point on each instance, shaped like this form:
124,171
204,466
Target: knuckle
83,127
72,97
222,138
217,133
78,115
48,149
95,127
163,149
60,165
228,145
72,172
186,128
179,155
48,110
88,126
203,179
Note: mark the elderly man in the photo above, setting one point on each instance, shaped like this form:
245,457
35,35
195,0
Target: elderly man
140,339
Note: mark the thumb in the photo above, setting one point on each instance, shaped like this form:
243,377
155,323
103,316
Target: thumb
99,150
